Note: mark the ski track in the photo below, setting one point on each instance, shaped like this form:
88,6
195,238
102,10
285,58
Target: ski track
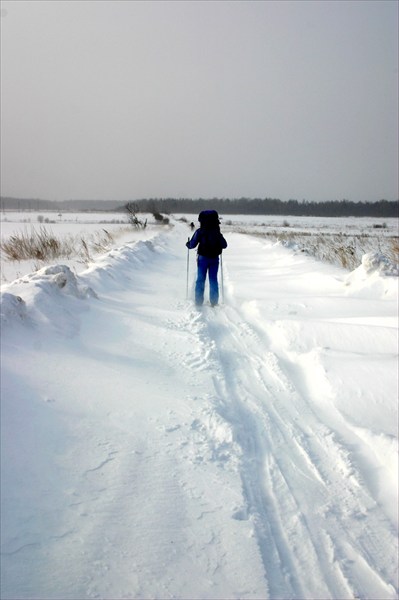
301,471
303,493
306,510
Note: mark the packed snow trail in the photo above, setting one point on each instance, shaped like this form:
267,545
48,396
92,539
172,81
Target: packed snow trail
152,450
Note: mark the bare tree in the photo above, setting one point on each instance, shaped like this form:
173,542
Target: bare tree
131,209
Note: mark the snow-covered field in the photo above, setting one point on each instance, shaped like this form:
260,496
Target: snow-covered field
75,226
340,240
152,450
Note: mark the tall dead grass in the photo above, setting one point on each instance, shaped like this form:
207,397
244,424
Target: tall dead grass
43,245
345,250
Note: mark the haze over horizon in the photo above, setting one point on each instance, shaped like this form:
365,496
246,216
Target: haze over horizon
121,100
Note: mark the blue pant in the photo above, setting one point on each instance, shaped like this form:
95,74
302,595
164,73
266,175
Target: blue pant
210,266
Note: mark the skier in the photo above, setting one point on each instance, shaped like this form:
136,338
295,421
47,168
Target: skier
210,244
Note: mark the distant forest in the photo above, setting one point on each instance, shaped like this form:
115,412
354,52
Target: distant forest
268,206
239,206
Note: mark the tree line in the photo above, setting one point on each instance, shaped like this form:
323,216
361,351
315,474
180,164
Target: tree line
225,206
269,206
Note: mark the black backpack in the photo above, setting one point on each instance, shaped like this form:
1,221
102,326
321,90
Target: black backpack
209,219
210,244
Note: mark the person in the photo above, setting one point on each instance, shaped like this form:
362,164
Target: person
210,244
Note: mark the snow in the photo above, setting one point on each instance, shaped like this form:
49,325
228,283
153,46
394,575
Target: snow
154,450
74,227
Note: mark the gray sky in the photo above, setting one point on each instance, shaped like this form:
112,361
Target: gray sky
122,100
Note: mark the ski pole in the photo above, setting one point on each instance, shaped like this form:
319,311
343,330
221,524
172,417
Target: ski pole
221,275
188,263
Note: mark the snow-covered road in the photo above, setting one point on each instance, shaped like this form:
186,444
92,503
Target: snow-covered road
151,450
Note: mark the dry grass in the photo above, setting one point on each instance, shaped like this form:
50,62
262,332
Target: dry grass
38,245
345,250
44,246
393,253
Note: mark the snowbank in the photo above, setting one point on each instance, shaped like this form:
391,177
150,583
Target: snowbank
375,276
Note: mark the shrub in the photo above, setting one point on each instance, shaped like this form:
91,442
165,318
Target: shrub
380,226
160,218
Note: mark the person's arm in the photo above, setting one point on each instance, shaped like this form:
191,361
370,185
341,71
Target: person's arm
194,241
223,242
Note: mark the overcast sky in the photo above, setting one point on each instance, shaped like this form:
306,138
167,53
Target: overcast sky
123,100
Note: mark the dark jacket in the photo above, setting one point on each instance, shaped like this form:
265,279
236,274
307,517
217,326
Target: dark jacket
210,242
